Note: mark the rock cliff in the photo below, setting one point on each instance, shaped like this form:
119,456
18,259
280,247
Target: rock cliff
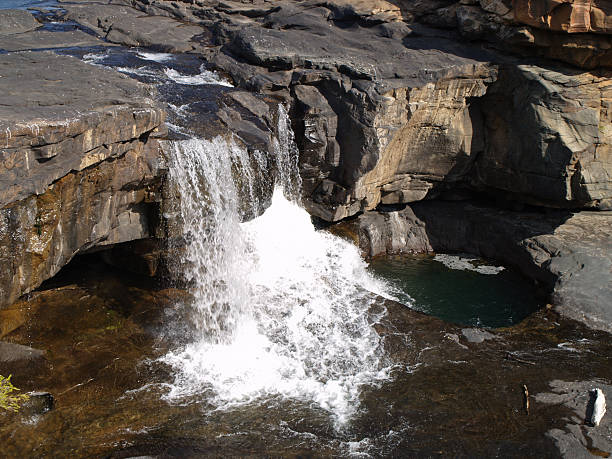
78,167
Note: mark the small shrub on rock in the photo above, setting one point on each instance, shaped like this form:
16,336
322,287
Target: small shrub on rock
9,400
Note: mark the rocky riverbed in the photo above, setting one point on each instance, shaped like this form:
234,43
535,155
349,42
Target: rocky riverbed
455,391
473,126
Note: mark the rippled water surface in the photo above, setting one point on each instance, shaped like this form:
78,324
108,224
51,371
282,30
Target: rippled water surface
459,289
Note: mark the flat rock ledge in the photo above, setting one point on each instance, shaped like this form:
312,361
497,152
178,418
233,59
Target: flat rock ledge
78,166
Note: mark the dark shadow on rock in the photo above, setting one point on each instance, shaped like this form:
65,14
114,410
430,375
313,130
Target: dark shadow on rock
483,228
447,42
588,414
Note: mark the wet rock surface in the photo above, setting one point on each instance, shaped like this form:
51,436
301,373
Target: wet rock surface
38,403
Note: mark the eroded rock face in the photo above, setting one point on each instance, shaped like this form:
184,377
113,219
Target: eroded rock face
108,204
370,98
78,166
549,135
387,111
395,148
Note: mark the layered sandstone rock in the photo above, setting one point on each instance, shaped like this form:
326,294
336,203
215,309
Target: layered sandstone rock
572,31
78,167
570,16
364,90
549,137
387,111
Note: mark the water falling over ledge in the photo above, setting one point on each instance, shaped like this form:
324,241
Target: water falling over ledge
279,309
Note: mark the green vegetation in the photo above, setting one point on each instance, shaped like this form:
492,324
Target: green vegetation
9,400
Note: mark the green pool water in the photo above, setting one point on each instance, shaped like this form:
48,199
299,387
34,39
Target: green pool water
461,296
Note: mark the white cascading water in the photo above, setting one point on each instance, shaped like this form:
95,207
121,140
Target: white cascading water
280,308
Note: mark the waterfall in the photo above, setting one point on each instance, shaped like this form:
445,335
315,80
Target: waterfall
216,253
286,154
279,308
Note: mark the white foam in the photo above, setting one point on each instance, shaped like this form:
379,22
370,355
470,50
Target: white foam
180,110
94,59
157,57
141,71
177,128
304,331
567,347
202,78
467,263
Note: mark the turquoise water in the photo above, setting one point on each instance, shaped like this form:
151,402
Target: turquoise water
460,296
24,4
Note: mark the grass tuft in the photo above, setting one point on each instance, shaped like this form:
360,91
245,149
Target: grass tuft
8,399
